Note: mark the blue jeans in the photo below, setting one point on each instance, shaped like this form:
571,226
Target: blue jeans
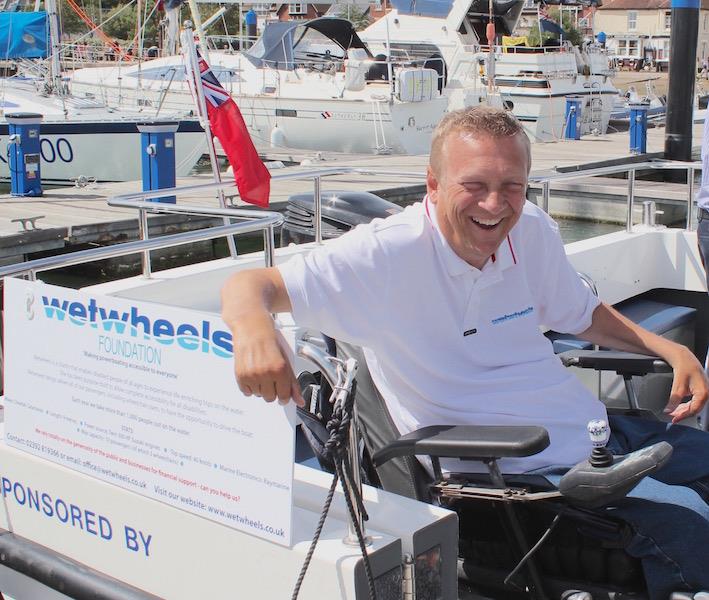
668,511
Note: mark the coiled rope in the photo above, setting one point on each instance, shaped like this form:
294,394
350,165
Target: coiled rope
336,448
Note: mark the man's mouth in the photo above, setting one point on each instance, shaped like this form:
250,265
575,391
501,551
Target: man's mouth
486,223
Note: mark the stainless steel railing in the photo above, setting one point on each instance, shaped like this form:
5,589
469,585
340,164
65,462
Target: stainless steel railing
253,220
140,201
32,267
631,169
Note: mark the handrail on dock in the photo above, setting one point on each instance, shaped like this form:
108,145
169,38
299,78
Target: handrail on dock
631,169
254,220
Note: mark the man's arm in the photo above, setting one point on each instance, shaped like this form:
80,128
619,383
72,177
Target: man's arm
611,329
260,361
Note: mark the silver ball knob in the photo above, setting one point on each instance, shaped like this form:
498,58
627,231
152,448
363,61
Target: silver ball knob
599,432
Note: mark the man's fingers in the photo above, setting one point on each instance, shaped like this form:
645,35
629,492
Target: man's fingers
296,395
674,401
687,409
267,391
283,389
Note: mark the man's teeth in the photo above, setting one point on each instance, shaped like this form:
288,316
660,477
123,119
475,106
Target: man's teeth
487,222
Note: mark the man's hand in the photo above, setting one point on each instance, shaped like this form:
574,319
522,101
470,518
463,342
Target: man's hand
689,380
612,330
261,354
262,368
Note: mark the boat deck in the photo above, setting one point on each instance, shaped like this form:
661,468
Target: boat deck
72,216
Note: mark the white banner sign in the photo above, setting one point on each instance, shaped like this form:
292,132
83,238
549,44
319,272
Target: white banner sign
143,396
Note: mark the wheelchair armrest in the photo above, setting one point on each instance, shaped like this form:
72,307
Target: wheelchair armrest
466,442
592,487
623,363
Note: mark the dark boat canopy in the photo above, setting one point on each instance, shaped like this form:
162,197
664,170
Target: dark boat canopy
506,13
285,44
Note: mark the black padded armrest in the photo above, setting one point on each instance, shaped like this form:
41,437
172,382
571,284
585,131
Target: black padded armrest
592,487
466,442
623,363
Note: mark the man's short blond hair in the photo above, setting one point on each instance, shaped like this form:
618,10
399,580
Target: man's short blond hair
475,121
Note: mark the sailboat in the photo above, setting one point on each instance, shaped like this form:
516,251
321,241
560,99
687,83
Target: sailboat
82,139
312,85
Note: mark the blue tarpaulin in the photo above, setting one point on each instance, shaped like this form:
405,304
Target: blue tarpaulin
551,26
24,35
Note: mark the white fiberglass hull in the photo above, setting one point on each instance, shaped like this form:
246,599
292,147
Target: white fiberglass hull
542,110
328,124
104,151
289,109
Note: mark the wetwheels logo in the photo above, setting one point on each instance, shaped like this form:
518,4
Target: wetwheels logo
196,337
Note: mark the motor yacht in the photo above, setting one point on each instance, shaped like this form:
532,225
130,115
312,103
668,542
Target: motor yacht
531,82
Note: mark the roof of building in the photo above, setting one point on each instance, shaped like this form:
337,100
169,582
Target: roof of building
642,5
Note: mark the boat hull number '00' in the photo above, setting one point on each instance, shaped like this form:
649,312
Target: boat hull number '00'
52,150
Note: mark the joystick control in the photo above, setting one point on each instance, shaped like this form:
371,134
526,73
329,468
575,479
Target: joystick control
600,433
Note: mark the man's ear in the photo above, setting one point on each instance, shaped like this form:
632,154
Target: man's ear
431,184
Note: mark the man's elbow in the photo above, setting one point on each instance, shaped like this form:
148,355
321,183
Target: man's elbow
254,288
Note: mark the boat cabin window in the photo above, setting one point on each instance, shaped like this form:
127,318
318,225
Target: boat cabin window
173,73
467,33
313,47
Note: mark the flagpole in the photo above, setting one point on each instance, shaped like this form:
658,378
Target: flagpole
187,40
539,25
197,18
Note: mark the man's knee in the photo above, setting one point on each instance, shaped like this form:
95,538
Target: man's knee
670,542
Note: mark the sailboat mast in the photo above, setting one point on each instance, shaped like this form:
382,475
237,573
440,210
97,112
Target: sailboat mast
55,68
198,28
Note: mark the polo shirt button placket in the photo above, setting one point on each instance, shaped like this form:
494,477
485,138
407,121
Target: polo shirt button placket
470,322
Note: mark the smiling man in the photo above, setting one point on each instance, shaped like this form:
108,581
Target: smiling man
448,299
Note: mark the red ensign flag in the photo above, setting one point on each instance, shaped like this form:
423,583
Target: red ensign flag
227,124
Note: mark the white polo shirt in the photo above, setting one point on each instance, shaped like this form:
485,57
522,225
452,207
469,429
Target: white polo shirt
703,195
447,343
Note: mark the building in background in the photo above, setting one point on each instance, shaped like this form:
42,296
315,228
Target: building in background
638,32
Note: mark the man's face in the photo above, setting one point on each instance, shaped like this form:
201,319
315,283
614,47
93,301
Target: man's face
479,192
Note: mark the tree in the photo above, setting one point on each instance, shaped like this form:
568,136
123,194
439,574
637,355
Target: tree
121,23
572,34
228,24
354,13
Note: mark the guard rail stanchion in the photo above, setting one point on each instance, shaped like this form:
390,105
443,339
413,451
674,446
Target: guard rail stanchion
638,127
24,153
157,141
572,131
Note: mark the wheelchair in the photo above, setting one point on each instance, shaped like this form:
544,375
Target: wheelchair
519,536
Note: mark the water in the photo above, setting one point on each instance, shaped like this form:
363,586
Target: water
573,230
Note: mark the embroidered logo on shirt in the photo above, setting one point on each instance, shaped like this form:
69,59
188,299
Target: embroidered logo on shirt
469,332
515,315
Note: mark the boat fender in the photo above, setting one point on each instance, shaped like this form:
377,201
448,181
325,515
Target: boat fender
278,138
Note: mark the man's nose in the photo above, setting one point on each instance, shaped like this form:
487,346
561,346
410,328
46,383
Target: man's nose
493,202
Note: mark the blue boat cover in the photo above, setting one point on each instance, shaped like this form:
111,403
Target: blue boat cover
441,8
427,8
24,35
280,41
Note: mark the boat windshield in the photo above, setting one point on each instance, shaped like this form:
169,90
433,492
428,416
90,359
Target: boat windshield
313,46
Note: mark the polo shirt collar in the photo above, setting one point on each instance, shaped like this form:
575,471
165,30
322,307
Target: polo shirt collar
503,258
